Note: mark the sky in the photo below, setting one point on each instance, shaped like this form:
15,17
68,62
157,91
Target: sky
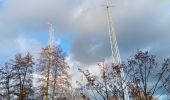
81,28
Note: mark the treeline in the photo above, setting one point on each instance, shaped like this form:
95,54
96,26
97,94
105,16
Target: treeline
16,77
145,76
47,78
26,78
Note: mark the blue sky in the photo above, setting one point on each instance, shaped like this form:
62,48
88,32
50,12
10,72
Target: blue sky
31,40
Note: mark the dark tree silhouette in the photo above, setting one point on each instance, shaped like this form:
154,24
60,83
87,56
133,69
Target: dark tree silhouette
104,84
147,77
16,78
5,81
22,73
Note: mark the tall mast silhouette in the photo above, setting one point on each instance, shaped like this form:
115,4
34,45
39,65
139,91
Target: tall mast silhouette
120,81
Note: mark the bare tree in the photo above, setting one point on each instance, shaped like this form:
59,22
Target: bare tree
104,85
146,76
60,76
16,77
22,73
51,67
44,69
5,81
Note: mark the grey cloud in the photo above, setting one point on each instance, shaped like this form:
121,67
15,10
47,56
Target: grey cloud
39,12
138,25
91,48
18,17
144,29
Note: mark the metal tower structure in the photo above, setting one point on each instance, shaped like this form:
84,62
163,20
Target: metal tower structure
50,48
51,37
116,55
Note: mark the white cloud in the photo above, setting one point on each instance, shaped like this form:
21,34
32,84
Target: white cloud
26,45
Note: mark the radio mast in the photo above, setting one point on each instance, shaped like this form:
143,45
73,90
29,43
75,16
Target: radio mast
116,56
51,39
50,49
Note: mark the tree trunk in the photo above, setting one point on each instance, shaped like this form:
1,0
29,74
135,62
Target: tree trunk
54,85
8,96
47,82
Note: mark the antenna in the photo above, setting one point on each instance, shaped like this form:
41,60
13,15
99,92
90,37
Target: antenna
116,55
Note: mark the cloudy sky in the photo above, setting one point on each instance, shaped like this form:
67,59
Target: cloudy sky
81,27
